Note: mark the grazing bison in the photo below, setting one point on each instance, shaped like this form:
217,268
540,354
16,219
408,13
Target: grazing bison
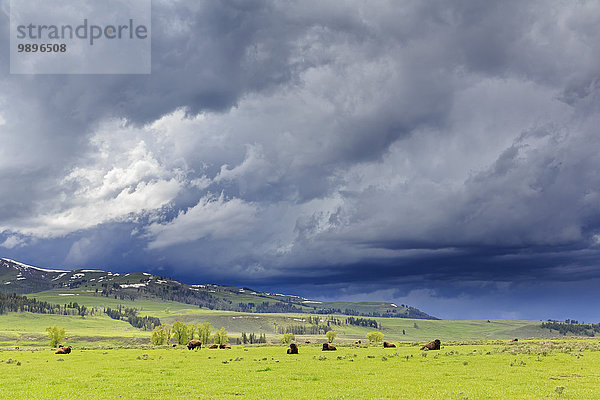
328,347
194,344
293,349
224,346
307,342
214,346
434,345
63,350
514,340
388,344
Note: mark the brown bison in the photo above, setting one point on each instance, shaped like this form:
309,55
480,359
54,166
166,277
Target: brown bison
514,340
434,345
388,344
194,344
328,347
214,346
293,349
63,350
224,346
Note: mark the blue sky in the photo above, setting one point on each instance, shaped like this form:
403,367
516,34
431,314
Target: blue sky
437,154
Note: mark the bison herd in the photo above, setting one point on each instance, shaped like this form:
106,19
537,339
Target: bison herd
293,349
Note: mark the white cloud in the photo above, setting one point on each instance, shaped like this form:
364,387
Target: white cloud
13,241
212,216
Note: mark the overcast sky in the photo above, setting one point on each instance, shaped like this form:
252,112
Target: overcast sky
441,154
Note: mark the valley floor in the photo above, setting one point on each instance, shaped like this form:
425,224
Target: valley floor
533,369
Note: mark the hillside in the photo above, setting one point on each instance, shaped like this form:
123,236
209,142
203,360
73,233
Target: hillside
19,278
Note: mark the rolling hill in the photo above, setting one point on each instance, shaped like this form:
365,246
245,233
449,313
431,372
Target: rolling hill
19,278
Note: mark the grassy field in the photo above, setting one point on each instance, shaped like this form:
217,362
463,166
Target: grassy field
402,329
565,369
29,330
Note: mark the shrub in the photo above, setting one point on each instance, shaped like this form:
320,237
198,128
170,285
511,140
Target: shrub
161,335
55,334
287,338
331,335
376,337
221,336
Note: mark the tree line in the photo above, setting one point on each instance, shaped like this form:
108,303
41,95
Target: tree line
572,327
16,303
130,315
182,334
371,323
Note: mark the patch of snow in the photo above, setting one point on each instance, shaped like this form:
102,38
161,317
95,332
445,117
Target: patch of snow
20,278
68,294
77,276
7,283
91,270
160,281
312,301
60,276
393,305
147,274
31,266
133,285
199,286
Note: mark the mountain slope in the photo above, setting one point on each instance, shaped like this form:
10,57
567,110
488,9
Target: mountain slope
16,277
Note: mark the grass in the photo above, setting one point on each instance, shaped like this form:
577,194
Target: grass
457,371
27,329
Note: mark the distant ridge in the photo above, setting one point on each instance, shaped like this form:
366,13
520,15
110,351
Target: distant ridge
19,278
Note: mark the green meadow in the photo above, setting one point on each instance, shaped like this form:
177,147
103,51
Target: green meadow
111,359
558,369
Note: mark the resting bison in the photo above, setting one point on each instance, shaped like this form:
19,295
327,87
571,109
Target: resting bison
224,346
63,350
434,345
514,340
194,344
388,344
327,346
293,349
214,346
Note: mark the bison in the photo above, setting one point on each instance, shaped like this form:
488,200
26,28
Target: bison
293,349
434,345
514,340
388,344
194,344
63,350
214,346
224,346
328,347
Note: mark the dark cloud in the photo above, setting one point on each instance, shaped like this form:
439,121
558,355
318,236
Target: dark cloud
437,152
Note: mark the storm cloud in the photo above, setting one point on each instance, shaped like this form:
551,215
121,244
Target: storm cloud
437,154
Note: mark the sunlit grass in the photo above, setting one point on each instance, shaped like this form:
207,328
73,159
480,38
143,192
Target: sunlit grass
473,371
